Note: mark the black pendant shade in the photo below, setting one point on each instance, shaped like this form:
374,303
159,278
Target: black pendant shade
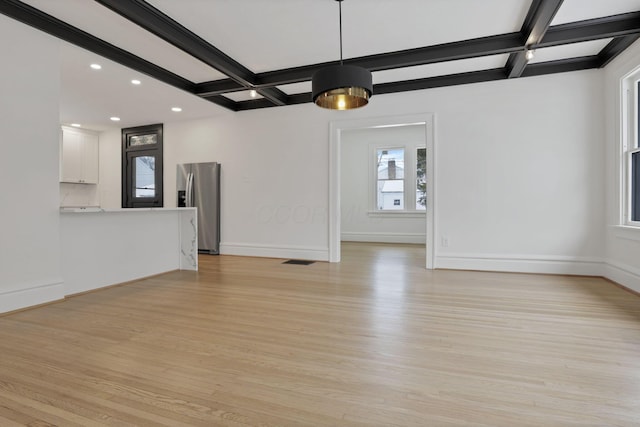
341,87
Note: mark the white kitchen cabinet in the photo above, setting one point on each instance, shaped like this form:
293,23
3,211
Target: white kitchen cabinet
79,156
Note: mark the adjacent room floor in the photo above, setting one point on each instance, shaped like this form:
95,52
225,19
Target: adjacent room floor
374,340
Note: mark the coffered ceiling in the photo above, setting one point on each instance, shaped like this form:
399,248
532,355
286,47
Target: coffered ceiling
206,55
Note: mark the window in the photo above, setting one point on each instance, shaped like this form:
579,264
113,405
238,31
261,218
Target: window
400,178
632,156
421,179
142,167
630,151
390,191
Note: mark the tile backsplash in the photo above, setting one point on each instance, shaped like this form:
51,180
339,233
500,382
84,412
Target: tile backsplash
74,195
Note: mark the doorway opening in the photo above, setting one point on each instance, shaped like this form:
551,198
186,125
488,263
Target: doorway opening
410,200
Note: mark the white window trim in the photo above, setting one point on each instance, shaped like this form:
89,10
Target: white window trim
390,213
629,134
626,232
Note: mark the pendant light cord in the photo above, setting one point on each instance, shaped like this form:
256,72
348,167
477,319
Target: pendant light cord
340,8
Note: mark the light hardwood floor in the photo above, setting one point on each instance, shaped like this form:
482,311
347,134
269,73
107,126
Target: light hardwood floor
375,340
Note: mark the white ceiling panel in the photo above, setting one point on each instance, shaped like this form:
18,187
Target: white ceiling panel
271,35
304,87
579,10
91,97
93,18
244,95
440,69
574,50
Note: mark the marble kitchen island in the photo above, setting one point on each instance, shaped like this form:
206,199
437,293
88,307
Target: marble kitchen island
104,247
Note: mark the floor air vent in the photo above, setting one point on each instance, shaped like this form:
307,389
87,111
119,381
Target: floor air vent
298,262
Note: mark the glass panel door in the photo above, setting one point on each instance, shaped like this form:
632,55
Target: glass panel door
142,167
145,181
143,184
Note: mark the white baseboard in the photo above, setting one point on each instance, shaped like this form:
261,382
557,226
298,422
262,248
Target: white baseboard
583,266
30,295
274,251
623,274
417,238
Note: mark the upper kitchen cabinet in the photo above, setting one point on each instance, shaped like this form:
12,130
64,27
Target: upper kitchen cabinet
79,156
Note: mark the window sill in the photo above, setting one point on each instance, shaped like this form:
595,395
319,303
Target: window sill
396,214
628,232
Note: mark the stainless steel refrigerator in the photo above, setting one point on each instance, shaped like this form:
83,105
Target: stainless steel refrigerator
198,185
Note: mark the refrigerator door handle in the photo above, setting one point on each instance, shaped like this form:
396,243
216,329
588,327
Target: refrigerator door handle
189,191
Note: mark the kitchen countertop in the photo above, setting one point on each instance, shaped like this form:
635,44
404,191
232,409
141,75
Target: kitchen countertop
95,209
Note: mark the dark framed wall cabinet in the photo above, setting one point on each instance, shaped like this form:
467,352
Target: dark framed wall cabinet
142,167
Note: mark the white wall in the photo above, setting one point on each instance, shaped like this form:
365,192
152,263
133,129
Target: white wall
110,170
519,173
623,243
356,199
29,129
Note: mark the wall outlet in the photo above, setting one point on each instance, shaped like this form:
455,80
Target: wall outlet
445,242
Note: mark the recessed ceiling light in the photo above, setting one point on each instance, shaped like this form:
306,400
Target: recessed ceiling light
96,66
529,54
135,82
176,109
253,93
115,119
75,125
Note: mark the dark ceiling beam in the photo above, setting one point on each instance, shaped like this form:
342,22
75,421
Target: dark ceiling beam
536,24
223,101
156,22
552,67
592,29
300,98
255,104
539,19
216,87
294,74
441,81
562,66
473,48
615,48
273,94
57,28
516,64
407,85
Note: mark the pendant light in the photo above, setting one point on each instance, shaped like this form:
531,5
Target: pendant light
341,87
